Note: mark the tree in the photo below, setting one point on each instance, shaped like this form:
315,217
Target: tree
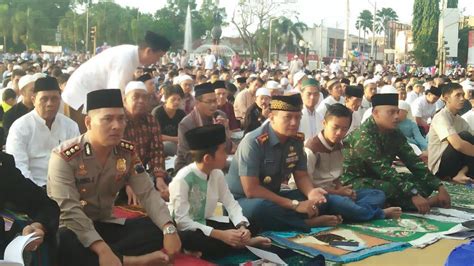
288,33
364,22
382,20
251,17
425,31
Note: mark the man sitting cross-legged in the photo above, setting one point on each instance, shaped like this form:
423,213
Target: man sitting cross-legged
370,150
324,153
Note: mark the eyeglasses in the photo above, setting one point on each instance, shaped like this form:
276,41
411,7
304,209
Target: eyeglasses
211,102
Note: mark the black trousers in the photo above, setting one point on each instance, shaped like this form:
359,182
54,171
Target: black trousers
136,237
210,247
452,161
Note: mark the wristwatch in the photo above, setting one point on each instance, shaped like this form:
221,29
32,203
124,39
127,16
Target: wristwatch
243,223
169,230
294,204
414,192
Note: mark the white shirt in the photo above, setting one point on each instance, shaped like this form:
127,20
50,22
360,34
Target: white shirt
421,108
209,61
367,114
311,123
412,96
469,117
322,108
356,121
111,69
30,142
189,204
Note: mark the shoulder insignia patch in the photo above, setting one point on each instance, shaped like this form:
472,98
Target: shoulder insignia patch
262,138
127,145
299,136
71,151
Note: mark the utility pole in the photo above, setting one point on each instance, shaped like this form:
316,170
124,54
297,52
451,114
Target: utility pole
441,45
372,50
87,25
321,44
346,36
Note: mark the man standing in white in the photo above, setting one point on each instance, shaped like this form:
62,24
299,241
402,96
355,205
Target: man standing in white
113,68
32,137
209,60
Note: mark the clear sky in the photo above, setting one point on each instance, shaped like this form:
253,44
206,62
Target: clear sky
312,11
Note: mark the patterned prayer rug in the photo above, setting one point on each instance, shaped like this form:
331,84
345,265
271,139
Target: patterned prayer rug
461,196
406,229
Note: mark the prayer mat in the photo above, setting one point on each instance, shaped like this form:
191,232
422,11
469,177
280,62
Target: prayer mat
128,212
461,196
405,229
335,244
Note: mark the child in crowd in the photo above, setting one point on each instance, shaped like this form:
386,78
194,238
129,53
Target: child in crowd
194,194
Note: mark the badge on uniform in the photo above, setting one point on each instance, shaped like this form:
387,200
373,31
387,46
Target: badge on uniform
121,165
267,179
82,170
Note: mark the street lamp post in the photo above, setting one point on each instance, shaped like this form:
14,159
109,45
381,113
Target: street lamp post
270,41
372,50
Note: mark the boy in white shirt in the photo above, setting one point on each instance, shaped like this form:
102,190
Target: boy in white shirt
194,194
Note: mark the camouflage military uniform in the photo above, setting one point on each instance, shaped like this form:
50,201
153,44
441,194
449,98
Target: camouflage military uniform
368,156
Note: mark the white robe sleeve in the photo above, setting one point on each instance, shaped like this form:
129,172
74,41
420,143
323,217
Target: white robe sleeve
179,190
230,204
17,145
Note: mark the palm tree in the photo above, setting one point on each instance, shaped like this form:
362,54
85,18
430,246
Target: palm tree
383,18
289,32
364,22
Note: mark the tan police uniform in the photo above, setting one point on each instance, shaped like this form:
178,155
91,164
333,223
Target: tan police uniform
85,190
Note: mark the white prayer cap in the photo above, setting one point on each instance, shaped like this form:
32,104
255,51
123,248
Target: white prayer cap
359,79
15,67
38,76
179,79
284,81
387,89
467,87
272,85
369,81
263,91
376,78
403,105
134,85
297,77
427,86
25,80
70,69
253,75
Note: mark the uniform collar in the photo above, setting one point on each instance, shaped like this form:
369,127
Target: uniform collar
272,137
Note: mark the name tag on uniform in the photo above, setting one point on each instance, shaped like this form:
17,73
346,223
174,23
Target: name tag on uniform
268,161
292,159
84,180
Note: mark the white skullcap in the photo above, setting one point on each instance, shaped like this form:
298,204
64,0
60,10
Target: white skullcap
369,81
15,67
70,69
38,76
25,80
403,105
427,86
297,77
253,75
284,81
272,85
134,85
387,89
359,79
179,79
263,91
467,87
376,78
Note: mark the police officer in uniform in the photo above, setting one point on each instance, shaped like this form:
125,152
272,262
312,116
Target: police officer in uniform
85,174
265,159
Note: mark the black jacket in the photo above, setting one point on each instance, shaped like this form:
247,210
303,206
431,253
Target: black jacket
26,197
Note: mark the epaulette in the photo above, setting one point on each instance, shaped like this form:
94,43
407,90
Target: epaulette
126,145
71,151
299,136
262,138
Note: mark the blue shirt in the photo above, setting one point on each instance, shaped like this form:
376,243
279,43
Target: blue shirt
411,131
260,154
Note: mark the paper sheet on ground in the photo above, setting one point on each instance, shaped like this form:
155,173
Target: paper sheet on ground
14,251
269,256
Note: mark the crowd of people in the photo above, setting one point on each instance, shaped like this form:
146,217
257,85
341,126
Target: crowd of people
282,148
